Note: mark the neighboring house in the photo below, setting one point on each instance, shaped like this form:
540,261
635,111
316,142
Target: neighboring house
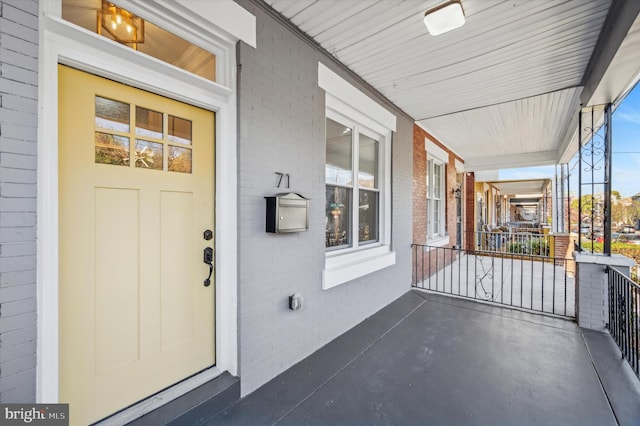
437,174
133,176
526,201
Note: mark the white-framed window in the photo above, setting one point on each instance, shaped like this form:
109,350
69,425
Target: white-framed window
357,182
437,159
352,204
435,199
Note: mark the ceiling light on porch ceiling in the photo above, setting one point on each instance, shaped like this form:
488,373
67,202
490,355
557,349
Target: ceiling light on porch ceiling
445,17
122,25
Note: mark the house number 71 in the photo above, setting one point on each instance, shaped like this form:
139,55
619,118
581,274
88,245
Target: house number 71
280,176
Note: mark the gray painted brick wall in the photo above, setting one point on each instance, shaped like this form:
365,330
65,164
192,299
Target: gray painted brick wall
18,164
592,287
592,309
282,128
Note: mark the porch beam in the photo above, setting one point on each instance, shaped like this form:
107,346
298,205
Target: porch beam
525,159
622,14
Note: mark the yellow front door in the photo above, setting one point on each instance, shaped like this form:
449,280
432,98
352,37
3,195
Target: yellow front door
136,179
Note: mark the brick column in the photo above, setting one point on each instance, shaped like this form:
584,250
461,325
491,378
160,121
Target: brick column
592,301
563,245
469,223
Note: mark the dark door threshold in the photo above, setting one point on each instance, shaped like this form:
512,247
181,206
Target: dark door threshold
197,406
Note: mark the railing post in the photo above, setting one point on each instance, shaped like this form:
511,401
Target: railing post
607,181
592,287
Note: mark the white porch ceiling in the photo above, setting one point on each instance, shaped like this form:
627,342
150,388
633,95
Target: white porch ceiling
528,187
501,91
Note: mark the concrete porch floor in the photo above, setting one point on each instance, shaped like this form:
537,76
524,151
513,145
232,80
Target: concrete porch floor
431,359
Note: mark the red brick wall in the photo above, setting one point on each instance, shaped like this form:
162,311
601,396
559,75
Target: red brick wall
427,262
470,210
419,186
420,257
450,208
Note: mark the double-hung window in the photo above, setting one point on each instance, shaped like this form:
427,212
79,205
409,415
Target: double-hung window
357,182
352,184
436,194
435,199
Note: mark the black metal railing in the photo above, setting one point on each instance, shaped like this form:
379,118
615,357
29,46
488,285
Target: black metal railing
624,311
529,282
537,244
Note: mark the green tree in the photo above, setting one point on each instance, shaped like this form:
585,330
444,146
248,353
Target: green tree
618,210
587,205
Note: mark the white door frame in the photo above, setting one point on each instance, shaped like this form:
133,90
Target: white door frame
61,42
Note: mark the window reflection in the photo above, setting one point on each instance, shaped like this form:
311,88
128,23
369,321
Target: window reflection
368,216
339,166
338,216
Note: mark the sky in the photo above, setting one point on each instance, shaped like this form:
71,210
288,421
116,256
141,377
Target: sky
626,152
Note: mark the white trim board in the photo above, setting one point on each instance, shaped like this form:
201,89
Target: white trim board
340,89
61,42
435,151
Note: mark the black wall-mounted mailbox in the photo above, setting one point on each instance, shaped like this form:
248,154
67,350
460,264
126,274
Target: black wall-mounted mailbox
287,212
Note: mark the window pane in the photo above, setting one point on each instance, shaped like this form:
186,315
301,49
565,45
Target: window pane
112,149
179,130
148,123
429,180
429,220
338,217
437,179
436,217
368,216
148,155
141,35
338,168
179,159
112,115
368,162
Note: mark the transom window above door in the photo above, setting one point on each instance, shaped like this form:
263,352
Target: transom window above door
115,23
136,136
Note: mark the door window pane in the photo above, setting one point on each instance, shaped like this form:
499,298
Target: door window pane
338,169
112,115
112,149
179,159
148,123
148,155
368,162
368,216
338,217
179,130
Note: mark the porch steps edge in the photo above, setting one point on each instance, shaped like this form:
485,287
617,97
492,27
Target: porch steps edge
196,406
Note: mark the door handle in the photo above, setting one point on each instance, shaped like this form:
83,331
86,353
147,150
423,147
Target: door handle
208,259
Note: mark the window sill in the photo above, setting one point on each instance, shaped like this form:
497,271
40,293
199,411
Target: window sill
340,269
438,242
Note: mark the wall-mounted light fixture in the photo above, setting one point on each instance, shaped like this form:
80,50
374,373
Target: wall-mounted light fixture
122,25
445,17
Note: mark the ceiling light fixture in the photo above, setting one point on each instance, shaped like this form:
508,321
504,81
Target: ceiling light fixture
445,17
122,25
